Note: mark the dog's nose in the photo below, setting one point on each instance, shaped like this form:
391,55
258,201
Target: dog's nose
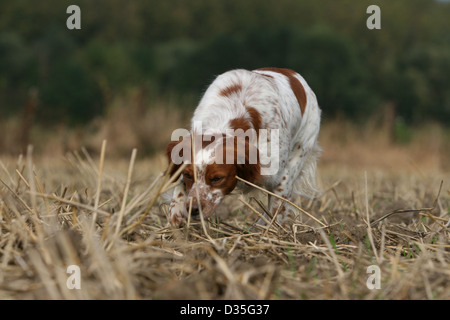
194,209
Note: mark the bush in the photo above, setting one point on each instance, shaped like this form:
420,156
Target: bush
17,72
332,66
329,62
70,94
421,84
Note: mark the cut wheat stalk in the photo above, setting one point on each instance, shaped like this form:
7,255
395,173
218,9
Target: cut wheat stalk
99,184
283,199
132,226
127,188
369,228
426,210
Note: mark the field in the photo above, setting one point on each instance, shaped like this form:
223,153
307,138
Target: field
384,205
86,114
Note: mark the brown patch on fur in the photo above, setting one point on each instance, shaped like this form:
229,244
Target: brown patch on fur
209,139
185,144
240,123
295,84
245,124
248,171
255,118
172,166
228,91
240,166
248,133
227,173
266,75
188,182
244,165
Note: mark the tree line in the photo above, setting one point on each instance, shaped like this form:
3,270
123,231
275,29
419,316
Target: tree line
177,47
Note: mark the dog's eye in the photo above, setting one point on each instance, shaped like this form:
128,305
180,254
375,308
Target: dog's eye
187,176
216,179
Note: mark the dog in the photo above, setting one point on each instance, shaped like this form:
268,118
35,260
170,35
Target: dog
258,126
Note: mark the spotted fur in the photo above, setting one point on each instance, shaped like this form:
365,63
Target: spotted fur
268,98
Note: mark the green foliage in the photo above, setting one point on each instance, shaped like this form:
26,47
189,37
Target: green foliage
333,67
422,83
17,72
67,90
402,132
119,65
177,47
16,59
69,94
328,61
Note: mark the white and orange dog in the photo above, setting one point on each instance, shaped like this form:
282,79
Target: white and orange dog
261,126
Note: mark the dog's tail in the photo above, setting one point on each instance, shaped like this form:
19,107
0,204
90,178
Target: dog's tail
306,184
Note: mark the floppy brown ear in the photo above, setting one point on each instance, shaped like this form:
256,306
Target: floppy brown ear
172,166
250,170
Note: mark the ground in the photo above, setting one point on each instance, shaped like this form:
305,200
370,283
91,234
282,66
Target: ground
390,219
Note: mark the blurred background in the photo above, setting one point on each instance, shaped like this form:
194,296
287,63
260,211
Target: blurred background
136,70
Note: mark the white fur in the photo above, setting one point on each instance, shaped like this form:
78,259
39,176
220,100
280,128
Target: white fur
270,93
265,94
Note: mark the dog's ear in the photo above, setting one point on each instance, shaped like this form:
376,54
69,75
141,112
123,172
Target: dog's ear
178,152
173,166
247,163
249,172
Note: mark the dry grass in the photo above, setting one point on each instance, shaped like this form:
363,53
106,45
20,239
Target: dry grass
128,123
383,205
106,217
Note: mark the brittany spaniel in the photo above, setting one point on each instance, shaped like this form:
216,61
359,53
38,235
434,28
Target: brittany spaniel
260,126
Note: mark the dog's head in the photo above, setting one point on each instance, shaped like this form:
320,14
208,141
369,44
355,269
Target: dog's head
212,164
